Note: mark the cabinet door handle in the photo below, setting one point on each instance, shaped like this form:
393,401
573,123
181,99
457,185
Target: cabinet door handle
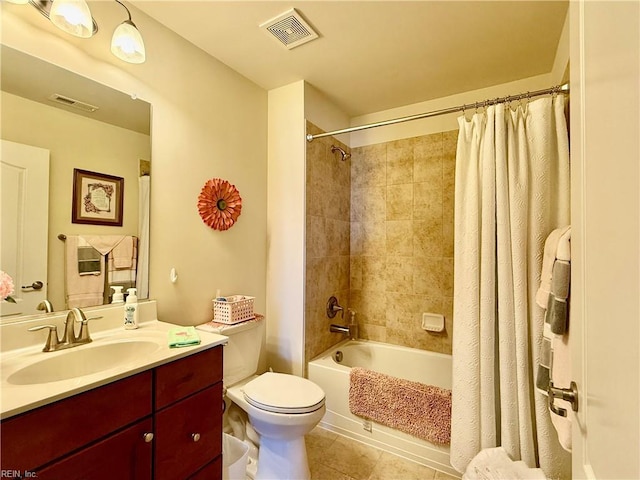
148,437
195,437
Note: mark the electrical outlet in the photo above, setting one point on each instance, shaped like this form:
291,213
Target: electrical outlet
366,424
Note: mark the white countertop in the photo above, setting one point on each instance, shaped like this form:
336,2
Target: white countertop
15,399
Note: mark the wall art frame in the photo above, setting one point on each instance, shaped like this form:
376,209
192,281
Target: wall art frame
98,198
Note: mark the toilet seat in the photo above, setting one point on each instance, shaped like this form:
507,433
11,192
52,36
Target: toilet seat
283,393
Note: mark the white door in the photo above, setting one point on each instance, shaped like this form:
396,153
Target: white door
605,315
24,205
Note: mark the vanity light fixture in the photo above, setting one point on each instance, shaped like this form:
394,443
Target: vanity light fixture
126,43
74,17
71,16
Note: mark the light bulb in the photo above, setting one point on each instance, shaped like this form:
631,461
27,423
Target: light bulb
72,16
127,43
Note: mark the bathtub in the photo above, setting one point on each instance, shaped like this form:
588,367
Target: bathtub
409,363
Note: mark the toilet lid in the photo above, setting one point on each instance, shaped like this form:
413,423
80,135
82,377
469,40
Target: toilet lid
283,393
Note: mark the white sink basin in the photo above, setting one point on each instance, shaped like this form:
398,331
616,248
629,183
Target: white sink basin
80,361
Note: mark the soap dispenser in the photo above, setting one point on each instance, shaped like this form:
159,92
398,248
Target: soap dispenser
118,297
131,310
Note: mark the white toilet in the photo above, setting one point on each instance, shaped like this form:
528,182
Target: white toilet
282,408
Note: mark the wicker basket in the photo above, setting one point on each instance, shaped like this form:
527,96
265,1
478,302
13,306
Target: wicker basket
239,309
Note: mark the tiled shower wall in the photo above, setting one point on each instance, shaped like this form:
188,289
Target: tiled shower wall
328,200
402,196
379,236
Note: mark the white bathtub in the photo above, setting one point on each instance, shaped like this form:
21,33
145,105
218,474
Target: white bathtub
409,363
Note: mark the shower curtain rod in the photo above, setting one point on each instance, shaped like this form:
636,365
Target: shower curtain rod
553,90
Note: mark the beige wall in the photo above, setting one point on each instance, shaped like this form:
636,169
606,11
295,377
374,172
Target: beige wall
285,229
328,187
75,141
207,121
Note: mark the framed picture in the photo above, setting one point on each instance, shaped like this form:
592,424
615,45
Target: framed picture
97,198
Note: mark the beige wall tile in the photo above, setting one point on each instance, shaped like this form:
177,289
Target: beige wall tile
356,238
373,203
316,239
380,236
427,202
374,241
328,232
399,238
427,276
400,163
370,307
376,333
447,277
448,237
399,272
368,166
356,273
427,238
374,274
427,155
428,170
399,202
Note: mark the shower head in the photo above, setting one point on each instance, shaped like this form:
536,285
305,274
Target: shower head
344,155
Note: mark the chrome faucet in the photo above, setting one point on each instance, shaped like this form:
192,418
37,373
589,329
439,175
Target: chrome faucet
351,330
69,337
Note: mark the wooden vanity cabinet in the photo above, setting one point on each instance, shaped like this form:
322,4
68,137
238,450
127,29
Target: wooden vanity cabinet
188,417
38,437
103,434
123,455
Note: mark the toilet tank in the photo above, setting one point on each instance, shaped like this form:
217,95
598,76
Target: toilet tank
242,352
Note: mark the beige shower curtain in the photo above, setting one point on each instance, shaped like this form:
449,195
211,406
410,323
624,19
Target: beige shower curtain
512,190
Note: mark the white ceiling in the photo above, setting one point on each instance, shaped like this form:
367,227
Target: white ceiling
17,77
375,55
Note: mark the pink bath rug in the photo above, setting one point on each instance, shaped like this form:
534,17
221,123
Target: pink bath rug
423,411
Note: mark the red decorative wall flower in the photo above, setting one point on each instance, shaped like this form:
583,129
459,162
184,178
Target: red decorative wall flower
219,204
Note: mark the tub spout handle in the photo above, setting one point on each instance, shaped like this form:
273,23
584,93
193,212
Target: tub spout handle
333,307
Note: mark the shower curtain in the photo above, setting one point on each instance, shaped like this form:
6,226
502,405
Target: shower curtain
142,281
511,190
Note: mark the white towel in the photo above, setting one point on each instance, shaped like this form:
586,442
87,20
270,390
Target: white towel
561,375
81,290
103,243
495,464
563,251
559,371
549,257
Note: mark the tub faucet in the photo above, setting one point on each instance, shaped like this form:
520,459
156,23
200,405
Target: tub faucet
351,330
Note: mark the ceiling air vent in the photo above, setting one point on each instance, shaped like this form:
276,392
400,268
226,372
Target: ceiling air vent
70,102
290,29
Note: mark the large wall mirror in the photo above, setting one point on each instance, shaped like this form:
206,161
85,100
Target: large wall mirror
55,124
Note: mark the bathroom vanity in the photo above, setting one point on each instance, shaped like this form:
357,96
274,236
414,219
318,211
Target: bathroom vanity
165,423
158,416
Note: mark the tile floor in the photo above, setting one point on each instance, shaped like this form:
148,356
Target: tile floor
334,457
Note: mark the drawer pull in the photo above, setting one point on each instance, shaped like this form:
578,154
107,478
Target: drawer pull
148,437
195,437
